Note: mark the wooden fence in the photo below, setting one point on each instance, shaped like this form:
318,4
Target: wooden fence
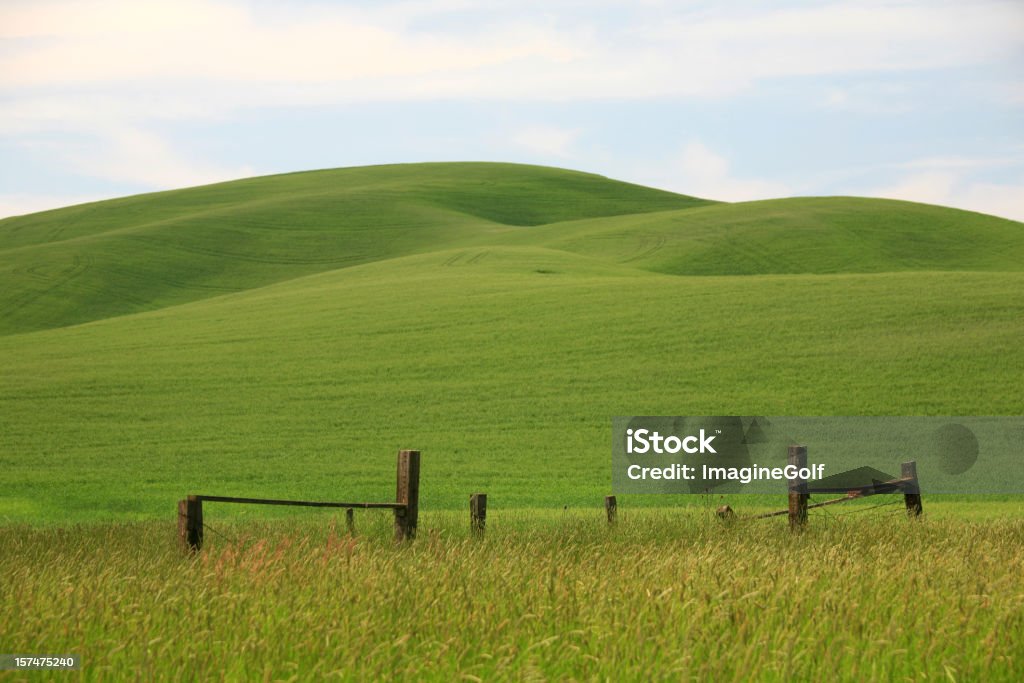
800,492
406,505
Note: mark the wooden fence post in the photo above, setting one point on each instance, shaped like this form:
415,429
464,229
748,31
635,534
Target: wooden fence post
183,524
798,488
350,521
408,495
611,509
190,524
478,513
911,489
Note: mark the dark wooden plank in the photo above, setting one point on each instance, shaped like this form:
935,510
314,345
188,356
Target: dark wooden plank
478,513
798,489
912,489
301,503
194,523
407,495
890,486
611,509
183,524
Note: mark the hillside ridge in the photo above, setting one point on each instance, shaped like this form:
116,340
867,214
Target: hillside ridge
100,260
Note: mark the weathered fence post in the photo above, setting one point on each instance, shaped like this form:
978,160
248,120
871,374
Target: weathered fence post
611,509
911,488
478,513
798,488
408,495
350,521
190,524
183,524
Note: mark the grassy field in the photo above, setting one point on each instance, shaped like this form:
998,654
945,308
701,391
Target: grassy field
495,337
285,336
545,596
307,389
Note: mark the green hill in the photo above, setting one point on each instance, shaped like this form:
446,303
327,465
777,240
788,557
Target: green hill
140,253
800,235
134,254
457,309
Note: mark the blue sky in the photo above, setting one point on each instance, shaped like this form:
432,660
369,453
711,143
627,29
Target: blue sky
920,100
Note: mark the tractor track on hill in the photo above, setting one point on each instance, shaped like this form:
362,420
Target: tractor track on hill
460,258
650,244
79,265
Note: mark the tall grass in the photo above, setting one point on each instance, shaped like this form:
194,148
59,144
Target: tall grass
662,596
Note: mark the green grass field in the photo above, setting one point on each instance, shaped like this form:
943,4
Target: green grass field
462,326
550,596
285,336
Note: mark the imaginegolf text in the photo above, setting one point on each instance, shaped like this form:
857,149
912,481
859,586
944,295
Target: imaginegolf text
744,475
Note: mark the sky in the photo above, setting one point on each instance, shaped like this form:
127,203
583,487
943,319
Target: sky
914,99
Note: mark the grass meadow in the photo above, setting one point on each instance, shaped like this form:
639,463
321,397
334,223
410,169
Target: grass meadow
665,595
284,337
309,389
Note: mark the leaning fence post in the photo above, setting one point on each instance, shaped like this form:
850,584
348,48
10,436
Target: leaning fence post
911,488
798,488
190,524
478,513
611,508
408,495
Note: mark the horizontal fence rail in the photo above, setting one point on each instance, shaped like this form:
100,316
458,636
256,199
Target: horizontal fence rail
301,503
891,486
406,505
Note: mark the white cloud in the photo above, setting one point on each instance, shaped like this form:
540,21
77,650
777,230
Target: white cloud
546,140
21,204
1012,93
868,98
562,52
105,18
1001,199
845,38
137,157
930,187
99,41
129,157
702,172
140,156
965,163
836,97
954,188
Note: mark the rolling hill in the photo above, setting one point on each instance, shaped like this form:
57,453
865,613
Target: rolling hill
134,254
799,235
285,335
